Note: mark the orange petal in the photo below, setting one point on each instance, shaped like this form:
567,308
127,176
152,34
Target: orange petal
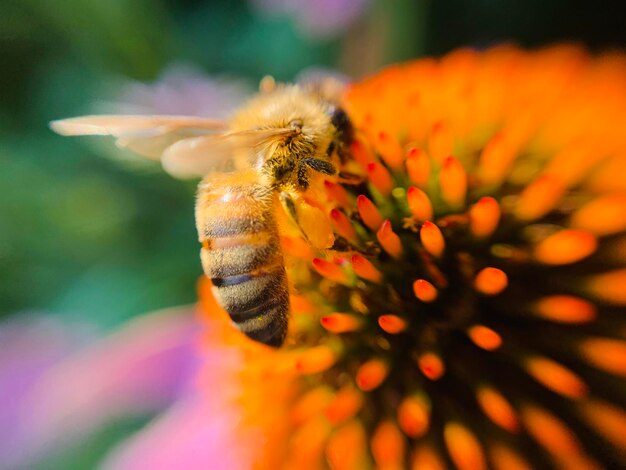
484,337
340,322
414,416
347,449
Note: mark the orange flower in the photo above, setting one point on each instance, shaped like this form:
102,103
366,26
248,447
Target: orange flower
472,309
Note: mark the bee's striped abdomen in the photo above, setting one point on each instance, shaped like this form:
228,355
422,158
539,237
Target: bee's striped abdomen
242,256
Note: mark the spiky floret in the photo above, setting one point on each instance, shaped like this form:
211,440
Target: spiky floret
472,313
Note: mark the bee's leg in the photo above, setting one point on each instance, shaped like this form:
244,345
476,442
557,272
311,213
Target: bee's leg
313,224
320,165
289,205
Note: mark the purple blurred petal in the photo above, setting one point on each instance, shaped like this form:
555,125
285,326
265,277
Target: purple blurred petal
140,369
200,431
183,90
317,19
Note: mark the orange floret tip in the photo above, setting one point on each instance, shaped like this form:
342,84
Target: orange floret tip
463,447
414,416
566,247
361,153
336,193
425,291
609,286
431,365
371,374
296,247
498,409
432,239
419,204
505,458
342,224
392,324
388,446
440,142
495,160
607,354
311,404
484,337
331,271
565,309
425,457
539,198
315,360
340,323
369,213
380,178
365,269
347,447
307,443
453,182
390,150
484,217
346,404
608,420
556,377
491,281
418,167
605,215
550,432
389,240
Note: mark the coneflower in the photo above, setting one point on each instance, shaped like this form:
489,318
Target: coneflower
471,312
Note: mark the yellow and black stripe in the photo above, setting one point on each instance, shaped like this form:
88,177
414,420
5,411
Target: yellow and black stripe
241,254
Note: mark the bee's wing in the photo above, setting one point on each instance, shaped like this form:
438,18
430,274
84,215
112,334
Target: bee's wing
147,136
199,156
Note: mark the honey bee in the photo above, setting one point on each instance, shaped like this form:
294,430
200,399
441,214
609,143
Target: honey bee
269,148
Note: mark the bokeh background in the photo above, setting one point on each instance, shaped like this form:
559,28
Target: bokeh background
90,235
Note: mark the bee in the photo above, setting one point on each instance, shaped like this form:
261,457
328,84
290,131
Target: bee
267,150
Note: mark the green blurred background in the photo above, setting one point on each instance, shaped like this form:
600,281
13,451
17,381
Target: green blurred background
89,233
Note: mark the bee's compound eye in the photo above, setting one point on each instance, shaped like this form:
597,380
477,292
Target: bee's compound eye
296,124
